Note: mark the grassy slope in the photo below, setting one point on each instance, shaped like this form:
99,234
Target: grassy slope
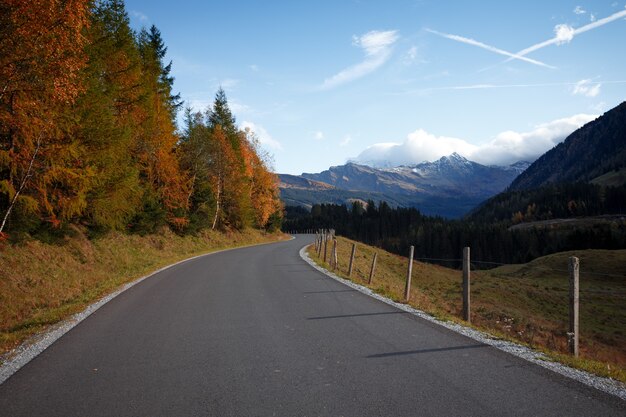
526,303
42,284
611,178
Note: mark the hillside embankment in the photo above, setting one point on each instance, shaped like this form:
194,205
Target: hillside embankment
44,283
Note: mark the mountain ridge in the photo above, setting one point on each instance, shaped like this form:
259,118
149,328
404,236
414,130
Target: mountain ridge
587,153
583,176
449,186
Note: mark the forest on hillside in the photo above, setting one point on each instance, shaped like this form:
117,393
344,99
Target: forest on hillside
551,201
88,132
488,232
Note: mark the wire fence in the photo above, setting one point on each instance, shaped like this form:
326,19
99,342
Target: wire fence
526,266
539,295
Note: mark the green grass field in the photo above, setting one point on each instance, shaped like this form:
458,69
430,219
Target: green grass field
526,303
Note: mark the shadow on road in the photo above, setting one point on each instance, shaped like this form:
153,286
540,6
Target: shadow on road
415,352
356,315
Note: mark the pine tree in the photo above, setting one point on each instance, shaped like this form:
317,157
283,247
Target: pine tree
165,81
220,115
155,148
108,111
235,194
196,156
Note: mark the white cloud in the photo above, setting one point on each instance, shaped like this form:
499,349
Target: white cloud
377,46
490,48
254,67
239,108
198,105
509,147
412,53
586,88
202,101
413,56
419,146
229,83
506,148
319,135
140,16
563,34
264,137
345,141
592,17
579,10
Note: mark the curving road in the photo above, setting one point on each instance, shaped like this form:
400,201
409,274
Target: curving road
257,331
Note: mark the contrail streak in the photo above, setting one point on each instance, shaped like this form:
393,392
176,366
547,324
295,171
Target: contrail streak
482,45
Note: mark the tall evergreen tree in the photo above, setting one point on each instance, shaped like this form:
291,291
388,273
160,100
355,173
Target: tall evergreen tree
166,80
107,113
196,153
166,186
220,115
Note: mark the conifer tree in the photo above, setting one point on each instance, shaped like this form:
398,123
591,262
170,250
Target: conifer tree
108,111
165,81
165,184
235,194
196,155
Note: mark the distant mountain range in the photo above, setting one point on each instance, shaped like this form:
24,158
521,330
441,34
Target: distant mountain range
449,187
453,186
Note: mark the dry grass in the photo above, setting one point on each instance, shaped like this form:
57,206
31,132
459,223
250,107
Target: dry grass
42,284
525,303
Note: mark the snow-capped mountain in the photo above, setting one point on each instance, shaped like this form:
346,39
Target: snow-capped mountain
449,186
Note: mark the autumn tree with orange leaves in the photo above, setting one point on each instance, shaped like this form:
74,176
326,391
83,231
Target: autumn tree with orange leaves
88,131
156,141
41,57
264,192
229,170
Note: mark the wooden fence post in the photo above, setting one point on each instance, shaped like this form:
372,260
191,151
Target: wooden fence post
317,243
334,260
572,338
466,284
352,260
373,268
407,288
319,250
325,247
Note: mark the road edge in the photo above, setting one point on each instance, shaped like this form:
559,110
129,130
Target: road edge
607,385
34,346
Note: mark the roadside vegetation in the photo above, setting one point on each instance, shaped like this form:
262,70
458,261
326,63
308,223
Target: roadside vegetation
44,283
89,136
525,303
98,184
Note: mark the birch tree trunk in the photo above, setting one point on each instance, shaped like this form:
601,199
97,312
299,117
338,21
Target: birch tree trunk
22,186
218,198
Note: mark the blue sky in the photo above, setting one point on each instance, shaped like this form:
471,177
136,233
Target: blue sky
397,82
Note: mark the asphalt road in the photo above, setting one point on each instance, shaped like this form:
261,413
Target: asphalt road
257,331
